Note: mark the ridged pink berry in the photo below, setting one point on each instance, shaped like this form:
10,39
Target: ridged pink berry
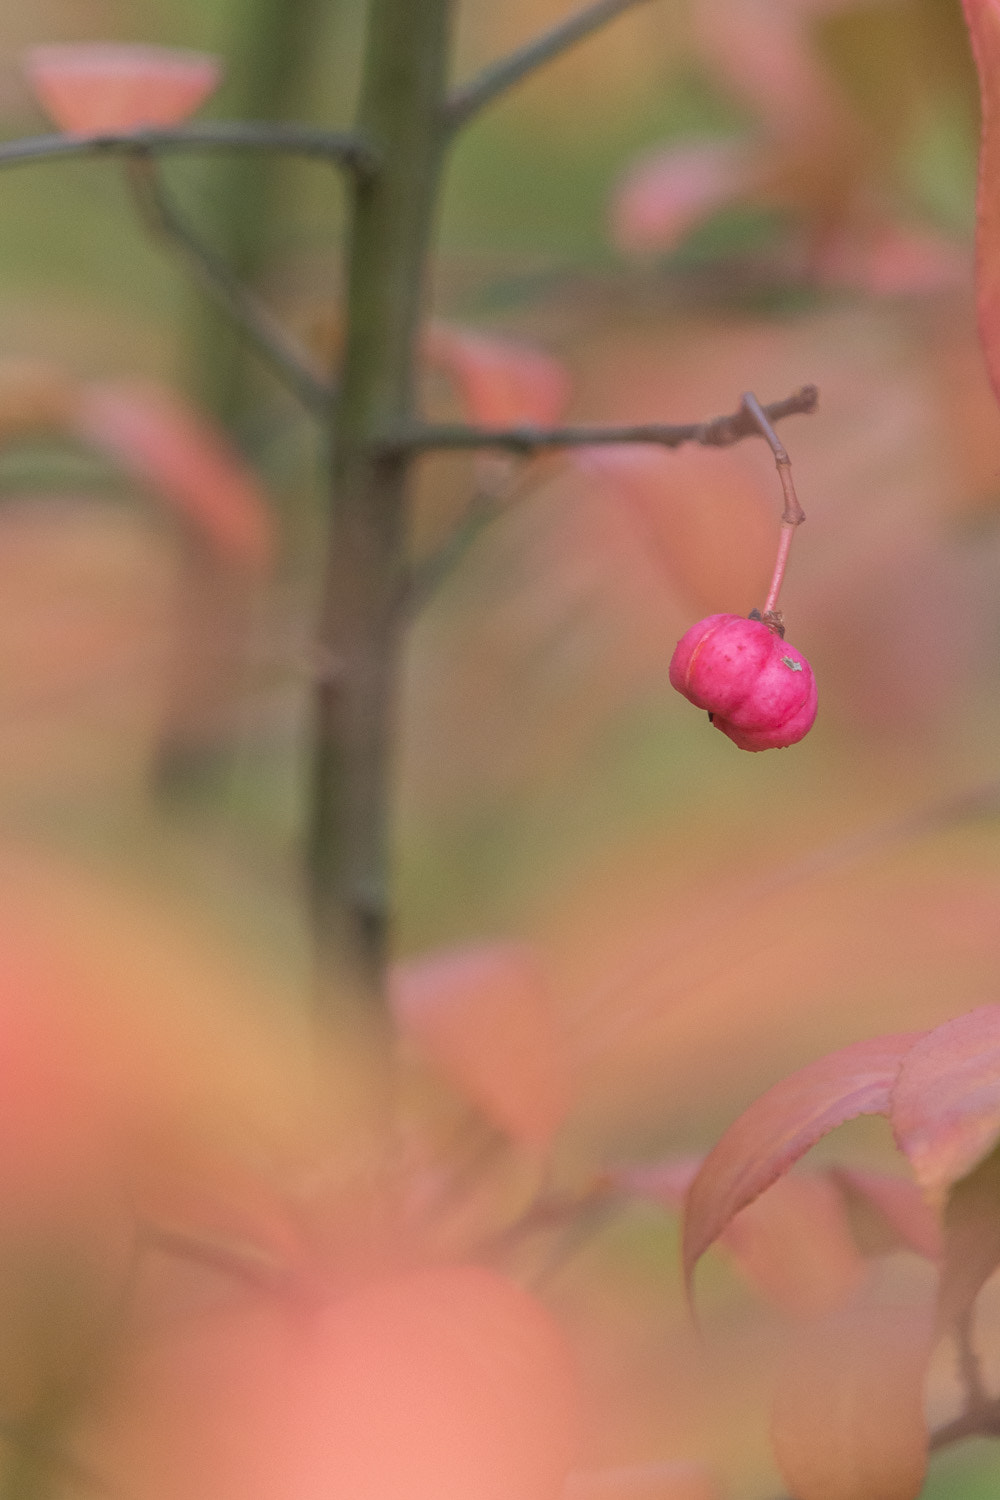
759,690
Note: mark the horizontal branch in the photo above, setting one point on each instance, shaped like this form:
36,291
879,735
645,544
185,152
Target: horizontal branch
343,148
259,325
471,97
719,432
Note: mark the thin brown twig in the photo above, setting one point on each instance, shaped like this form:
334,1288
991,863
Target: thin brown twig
264,331
792,514
718,432
469,98
243,1264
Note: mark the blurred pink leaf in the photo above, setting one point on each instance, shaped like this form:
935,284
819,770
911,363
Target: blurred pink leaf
763,50
781,1125
945,1103
98,88
501,382
983,20
892,261
848,1419
483,1015
794,1245
668,192
893,1208
159,439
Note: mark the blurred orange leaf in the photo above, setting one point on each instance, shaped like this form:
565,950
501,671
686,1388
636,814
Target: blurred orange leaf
848,1420
780,1126
165,443
945,1103
95,88
707,523
483,1015
443,1383
501,382
794,1246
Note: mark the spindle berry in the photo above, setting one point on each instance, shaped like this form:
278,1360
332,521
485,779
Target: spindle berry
757,690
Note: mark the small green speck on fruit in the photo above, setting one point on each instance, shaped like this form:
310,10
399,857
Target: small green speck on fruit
793,666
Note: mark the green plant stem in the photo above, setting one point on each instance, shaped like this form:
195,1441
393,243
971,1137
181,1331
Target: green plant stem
268,46
362,620
471,97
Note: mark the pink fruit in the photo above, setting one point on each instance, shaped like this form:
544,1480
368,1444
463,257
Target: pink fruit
758,690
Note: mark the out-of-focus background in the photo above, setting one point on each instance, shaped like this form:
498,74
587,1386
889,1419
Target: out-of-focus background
708,196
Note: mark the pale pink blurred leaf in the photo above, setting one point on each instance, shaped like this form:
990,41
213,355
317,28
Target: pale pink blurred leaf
848,1420
500,381
762,49
983,20
890,1210
101,88
780,1126
893,261
945,1104
484,1016
666,193
794,1246
162,441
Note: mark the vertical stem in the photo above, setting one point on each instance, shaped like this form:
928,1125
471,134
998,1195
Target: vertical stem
792,514
392,216
780,564
268,46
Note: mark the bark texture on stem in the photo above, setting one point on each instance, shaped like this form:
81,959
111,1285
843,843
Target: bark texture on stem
392,211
